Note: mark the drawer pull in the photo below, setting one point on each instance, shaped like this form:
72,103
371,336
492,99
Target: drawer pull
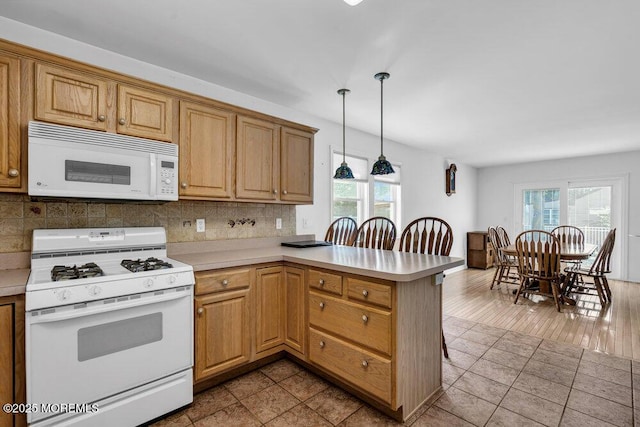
365,319
200,311
225,282
101,118
322,306
365,293
122,122
321,282
365,363
321,344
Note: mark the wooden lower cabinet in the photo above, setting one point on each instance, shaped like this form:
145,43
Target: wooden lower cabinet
270,304
294,326
12,374
223,315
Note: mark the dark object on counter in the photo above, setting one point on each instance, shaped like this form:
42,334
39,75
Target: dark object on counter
306,244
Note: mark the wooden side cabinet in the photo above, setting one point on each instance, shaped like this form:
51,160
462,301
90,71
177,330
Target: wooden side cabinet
12,374
479,250
10,150
270,305
294,288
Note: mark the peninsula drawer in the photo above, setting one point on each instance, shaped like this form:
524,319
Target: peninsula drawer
370,292
324,281
222,280
365,325
365,370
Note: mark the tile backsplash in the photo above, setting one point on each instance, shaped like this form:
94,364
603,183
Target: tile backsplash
19,216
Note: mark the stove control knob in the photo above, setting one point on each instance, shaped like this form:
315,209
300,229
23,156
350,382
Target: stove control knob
148,283
95,291
172,279
64,294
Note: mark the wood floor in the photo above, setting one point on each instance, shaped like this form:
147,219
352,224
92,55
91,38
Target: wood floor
614,329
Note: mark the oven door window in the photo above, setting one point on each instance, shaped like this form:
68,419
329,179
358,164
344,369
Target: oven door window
112,337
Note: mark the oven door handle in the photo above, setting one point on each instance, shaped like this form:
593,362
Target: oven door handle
82,312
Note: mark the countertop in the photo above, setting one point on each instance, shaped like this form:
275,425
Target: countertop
389,265
13,282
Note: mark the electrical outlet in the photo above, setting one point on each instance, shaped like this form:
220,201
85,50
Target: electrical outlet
306,223
278,223
200,225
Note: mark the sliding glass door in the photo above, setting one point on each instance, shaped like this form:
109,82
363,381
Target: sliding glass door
593,206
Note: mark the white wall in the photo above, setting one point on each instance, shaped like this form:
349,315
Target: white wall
495,203
423,173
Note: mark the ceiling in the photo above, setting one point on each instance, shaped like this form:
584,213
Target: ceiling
480,82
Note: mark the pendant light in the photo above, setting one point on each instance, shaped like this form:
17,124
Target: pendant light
344,171
382,166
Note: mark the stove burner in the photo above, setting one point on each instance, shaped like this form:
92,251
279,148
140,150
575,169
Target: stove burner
147,264
63,272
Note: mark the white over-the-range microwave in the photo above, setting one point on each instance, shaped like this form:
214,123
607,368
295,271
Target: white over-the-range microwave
78,163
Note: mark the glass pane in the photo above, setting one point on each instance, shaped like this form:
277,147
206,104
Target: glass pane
383,209
345,208
541,209
382,192
590,210
343,189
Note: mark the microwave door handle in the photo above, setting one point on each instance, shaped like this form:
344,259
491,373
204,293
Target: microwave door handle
82,312
153,178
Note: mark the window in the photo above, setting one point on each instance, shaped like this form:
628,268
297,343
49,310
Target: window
366,195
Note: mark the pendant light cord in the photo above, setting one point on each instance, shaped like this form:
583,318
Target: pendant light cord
343,129
381,116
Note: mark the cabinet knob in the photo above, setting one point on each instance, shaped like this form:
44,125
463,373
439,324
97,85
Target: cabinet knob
321,305
225,282
365,293
200,310
365,363
101,118
275,191
321,344
321,282
284,192
183,185
13,173
122,121
365,318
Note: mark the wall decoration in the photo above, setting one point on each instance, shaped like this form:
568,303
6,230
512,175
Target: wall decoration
450,179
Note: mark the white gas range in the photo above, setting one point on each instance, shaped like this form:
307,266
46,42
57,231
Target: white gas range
109,327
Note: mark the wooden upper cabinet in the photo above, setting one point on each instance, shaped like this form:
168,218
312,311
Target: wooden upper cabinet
207,150
10,151
77,99
145,113
70,98
296,165
257,166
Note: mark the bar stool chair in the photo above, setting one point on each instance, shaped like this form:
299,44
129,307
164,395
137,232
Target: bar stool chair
376,233
428,235
342,231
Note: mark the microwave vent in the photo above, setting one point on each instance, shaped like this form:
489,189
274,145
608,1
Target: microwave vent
99,138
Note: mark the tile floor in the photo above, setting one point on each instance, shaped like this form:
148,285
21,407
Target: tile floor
493,377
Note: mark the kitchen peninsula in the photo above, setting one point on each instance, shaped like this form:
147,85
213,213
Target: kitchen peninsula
369,320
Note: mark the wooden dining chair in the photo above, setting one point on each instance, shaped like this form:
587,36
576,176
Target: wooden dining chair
376,233
342,231
503,236
539,265
597,273
568,234
503,262
428,235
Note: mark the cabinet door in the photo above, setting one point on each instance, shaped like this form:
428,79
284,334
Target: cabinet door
6,361
145,113
269,308
296,166
70,98
257,169
207,148
295,308
10,122
222,332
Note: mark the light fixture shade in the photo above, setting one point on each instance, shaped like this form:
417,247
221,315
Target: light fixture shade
382,166
352,2
343,172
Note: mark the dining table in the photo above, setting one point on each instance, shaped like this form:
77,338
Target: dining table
569,252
